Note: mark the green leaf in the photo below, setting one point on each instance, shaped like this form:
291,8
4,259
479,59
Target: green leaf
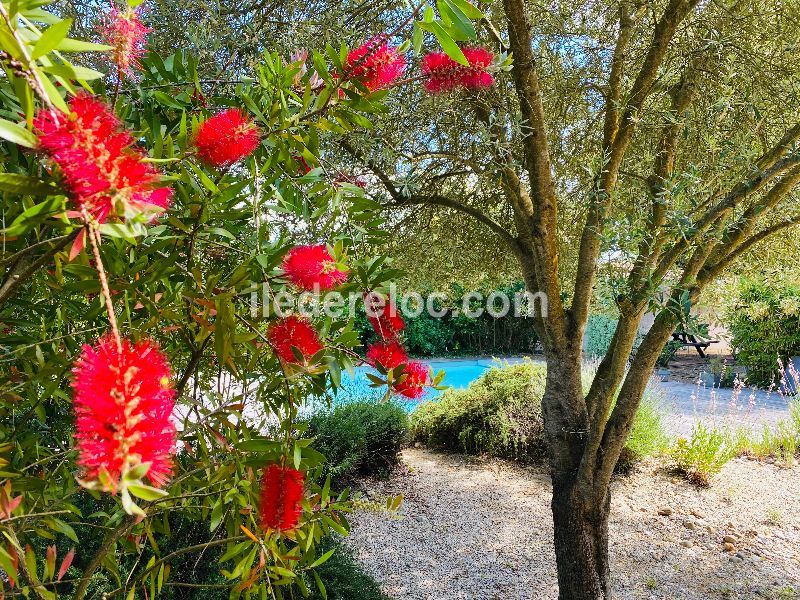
69,71
146,492
128,505
70,45
467,8
258,445
448,45
14,133
216,515
54,95
320,586
167,100
51,37
66,529
322,558
7,564
298,455
417,38
137,472
234,551
35,214
462,28
25,185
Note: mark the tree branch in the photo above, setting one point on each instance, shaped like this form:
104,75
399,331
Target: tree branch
619,138
105,547
709,272
543,224
440,200
24,268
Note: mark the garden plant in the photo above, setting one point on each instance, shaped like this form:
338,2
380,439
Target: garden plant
146,196
140,387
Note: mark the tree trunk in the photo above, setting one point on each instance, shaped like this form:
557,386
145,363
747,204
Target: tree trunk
581,541
580,507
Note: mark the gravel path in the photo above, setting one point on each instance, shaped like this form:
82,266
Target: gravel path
481,529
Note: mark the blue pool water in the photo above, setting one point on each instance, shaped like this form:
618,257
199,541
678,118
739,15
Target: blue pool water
458,374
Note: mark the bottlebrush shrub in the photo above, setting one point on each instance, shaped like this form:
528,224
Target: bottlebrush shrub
176,245
384,317
101,170
123,402
412,380
387,355
125,33
444,74
294,339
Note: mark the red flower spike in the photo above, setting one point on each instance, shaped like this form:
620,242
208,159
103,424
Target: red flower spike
376,64
386,320
312,267
294,332
226,138
281,498
413,381
387,354
123,403
102,170
125,33
444,74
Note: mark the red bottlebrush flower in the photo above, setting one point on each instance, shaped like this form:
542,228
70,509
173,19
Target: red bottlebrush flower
413,381
376,64
125,33
294,332
310,267
281,498
355,180
226,138
303,167
444,74
123,403
387,354
103,171
385,320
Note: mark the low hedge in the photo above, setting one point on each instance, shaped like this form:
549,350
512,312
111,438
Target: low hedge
499,414
359,438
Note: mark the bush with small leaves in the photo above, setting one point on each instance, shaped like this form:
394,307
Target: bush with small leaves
702,455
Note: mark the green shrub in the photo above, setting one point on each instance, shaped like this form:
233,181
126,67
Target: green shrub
343,577
360,438
764,321
599,333
648,436
499,414
704,454
780,440
668,352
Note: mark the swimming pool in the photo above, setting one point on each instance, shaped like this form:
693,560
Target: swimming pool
459,373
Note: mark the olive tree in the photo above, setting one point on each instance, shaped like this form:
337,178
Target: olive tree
665,132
